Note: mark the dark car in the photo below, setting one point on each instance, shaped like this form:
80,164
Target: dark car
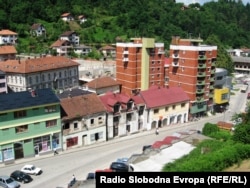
20,176
121,167
146,147
90,176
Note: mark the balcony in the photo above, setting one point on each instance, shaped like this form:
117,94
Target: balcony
211,87
200,91
200,99
125,59
202,65
201,74
202,57
213,71
211,79
175,64
125,52
175,56
201,82
160,51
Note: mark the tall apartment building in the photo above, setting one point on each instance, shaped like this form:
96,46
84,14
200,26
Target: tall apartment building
139,64
192,67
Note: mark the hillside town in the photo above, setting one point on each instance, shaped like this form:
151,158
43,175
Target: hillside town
56,102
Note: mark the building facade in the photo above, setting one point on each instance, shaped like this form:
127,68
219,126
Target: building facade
139,64
3,85
55,72
192,67
83,120
8,37
30,124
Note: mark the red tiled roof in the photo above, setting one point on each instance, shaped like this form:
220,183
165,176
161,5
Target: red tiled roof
7,50
158,96
35,26
107,48
59,43
37,64
137,99
102,82
7,32
65,14
110,99
82,105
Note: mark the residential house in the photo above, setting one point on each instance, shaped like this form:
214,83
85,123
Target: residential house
139,64
192,67
102,85
7,52
30,124
122,116
108,51
38,29
62,47
67,17
222,87
3,85
241,64
57,72
71,36
165,106
8,37
82,50
82,19
83,120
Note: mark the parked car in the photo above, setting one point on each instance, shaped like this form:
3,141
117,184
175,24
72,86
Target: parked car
121,167
8,182
31,169
20,176
146,147
90,176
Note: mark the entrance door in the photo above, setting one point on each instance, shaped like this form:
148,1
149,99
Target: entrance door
18,150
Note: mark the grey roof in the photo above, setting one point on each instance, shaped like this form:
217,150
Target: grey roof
72,93
24,99
240,59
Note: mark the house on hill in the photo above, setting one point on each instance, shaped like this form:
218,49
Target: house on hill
71,36
62,47
82,19
38,29
7,52
8,37
67,17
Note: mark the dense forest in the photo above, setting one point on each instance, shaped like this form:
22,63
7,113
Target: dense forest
224,23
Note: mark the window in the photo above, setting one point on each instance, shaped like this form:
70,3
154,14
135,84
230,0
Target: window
166,109
72,141
75,125
20,114
50,109
173,107
92,121
183,105
156,111
51,123
43,79
37,79
30,80
21,129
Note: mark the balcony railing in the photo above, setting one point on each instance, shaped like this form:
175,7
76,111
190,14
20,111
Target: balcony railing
201,82
175,56
202,57
201,74
125,59
200,91
202,65
175,64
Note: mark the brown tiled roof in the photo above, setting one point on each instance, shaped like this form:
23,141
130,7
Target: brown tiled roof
82,105
67,33
158,96
107,48
7,50
110,99
65,14
102,82
7,32
59,43
37,65
35,26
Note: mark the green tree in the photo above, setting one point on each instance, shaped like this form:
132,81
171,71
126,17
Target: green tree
242,133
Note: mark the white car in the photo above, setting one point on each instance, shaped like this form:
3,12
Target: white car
31,169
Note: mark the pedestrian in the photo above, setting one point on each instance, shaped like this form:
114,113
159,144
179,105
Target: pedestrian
73,178
55,152
157,131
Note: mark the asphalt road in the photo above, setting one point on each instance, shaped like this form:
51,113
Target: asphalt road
58,170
